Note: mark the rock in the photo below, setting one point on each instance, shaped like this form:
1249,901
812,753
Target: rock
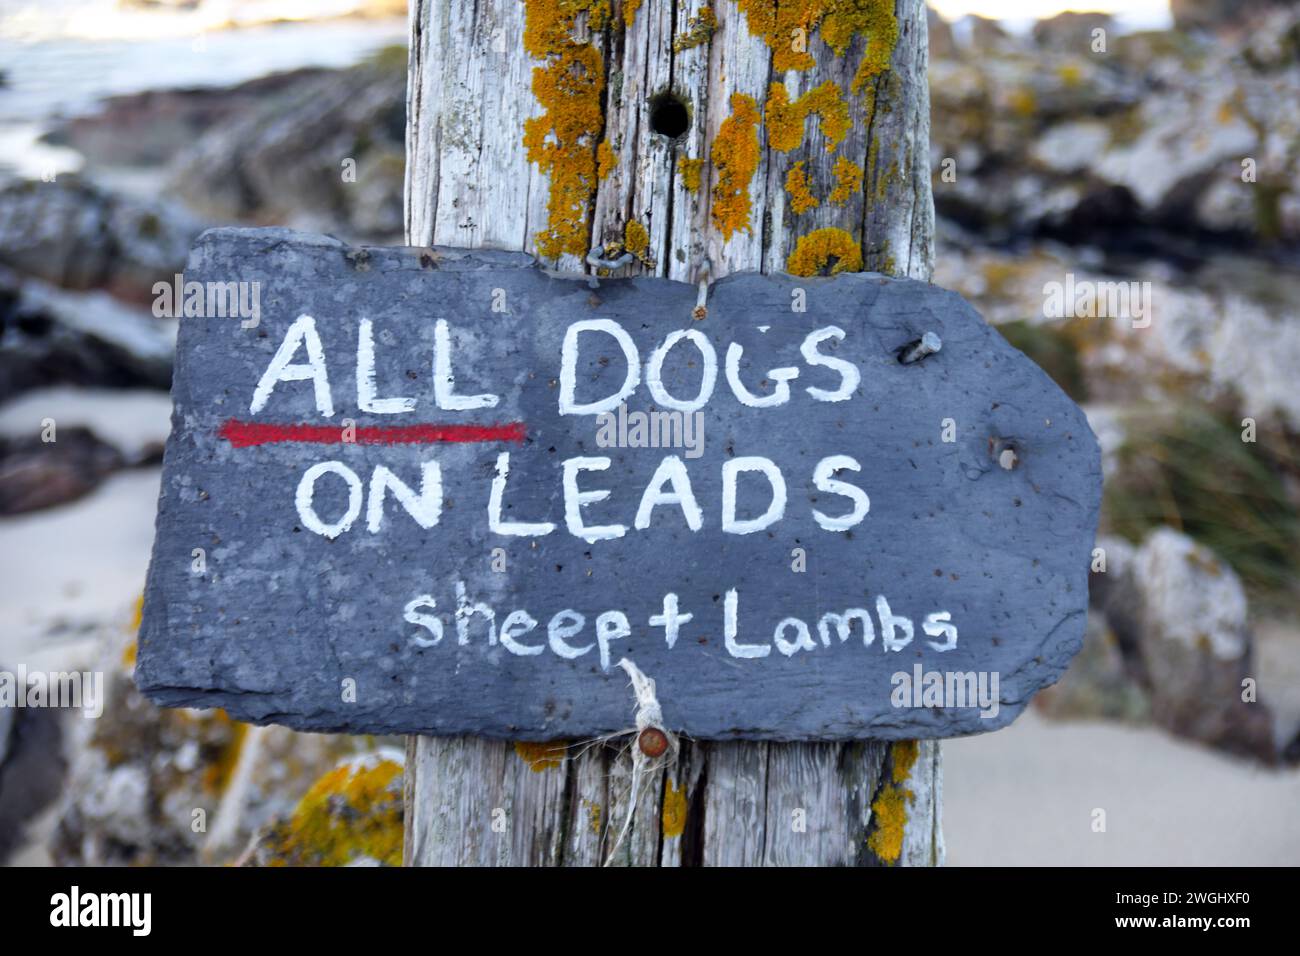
151,127
1179,617
1214,14
178,787
50,337
352,816
940,35
1098,685
35,474
76,235
1170,135
325,153
1071,31
32,767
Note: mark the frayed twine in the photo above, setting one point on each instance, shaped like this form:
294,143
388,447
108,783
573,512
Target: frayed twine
655,746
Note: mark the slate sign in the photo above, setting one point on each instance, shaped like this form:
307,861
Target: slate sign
423,491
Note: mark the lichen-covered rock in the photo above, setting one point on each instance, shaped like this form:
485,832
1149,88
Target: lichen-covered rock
351,816
1179,617
1167,131
150,786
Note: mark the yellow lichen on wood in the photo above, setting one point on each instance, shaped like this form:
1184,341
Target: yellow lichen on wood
785,119
822,249
630,7
796,184
636,238
872,18
889,809
563,140
735,158
540,756
606,160
787,27
351,814
699,30
848,180
690,169
889,813
674,813
904,754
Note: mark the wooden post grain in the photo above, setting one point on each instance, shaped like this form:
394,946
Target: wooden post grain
598,84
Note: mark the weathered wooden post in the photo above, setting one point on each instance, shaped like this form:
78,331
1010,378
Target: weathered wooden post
696,139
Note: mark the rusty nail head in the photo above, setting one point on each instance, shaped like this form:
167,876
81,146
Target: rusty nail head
653,742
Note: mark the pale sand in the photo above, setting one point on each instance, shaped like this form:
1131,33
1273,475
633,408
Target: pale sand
1025,796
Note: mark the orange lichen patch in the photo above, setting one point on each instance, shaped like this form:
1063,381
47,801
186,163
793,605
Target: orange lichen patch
796,184
353,813
889,814
904,754
873,18
606,160
636,238
540,756
787,26
594,817
689,170
735,159
630,7
563,140
674,815
848,180
889,809
785,119
824,248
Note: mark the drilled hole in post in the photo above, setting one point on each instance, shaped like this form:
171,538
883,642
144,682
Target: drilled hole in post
669,115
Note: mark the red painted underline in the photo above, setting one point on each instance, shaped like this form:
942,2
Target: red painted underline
247,434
